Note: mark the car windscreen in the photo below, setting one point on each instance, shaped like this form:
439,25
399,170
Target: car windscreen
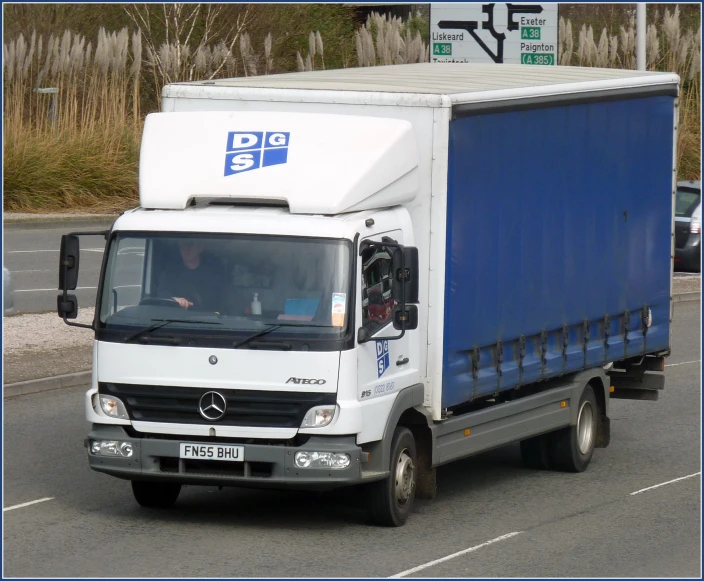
686,201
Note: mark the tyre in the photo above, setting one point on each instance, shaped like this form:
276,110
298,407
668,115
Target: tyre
391,500
155,494
571,448
536,452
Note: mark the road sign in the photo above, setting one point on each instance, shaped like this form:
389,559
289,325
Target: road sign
519,33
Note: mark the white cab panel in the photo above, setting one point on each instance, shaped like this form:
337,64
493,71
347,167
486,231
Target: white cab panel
235,369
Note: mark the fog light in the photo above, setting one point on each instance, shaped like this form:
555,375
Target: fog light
113,407
109,448
303,459
333,460
319,417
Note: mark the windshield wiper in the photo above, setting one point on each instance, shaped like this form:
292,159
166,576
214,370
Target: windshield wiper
257,334
271,328
158,323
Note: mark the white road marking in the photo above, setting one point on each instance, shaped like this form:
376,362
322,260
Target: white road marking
52,250
32,290
683,363
454,555
664,483
40,270
25,251
27,504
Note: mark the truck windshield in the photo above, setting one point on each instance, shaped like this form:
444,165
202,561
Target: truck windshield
242,283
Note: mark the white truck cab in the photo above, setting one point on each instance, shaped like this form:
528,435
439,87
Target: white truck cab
254,334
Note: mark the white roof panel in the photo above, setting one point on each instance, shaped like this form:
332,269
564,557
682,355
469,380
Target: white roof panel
451,79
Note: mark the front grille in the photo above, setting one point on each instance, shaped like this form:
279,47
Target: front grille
216,468
246,408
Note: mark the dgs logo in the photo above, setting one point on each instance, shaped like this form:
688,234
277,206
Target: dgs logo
382,357
251,150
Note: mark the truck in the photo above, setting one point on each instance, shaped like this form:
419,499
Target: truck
352,277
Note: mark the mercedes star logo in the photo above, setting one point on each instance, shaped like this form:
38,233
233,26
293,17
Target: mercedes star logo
212,406
213,360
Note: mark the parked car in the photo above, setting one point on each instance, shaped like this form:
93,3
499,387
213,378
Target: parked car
688,225
8,292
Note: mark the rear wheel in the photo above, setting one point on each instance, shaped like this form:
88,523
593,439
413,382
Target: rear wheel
155,494
571,448
391,499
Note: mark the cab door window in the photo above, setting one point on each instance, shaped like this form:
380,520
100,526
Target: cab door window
377,300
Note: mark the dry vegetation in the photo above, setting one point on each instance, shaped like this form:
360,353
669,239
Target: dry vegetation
78,148
75,147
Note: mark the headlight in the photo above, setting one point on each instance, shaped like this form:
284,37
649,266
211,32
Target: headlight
111,448
113,407
319,417
321,460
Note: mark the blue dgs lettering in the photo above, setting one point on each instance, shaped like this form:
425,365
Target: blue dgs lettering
242,161
251,150
382,357
237,140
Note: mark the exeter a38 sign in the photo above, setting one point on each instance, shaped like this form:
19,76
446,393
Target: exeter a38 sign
518,33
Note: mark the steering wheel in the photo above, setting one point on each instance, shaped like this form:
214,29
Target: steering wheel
157,301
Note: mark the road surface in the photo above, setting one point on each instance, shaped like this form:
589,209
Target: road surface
635,512
31,254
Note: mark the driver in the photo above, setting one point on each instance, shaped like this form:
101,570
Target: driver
193,282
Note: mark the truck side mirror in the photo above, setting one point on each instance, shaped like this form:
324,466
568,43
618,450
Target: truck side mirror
67,306
68,262
404,267
406,320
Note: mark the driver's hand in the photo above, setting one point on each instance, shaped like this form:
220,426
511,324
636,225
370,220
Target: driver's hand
183,302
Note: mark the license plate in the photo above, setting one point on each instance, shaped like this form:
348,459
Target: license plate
212,452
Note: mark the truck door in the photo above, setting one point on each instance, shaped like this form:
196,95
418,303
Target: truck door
384,365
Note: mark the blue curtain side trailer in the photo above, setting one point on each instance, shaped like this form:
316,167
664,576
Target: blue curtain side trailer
559,233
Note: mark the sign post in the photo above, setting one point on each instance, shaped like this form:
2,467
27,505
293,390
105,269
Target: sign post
524,33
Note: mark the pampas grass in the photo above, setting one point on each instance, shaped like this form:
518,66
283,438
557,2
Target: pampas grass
389,41
77,146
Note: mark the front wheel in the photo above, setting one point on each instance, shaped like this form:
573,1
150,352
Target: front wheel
155,494
391,499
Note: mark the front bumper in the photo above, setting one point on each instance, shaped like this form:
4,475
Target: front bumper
264,466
